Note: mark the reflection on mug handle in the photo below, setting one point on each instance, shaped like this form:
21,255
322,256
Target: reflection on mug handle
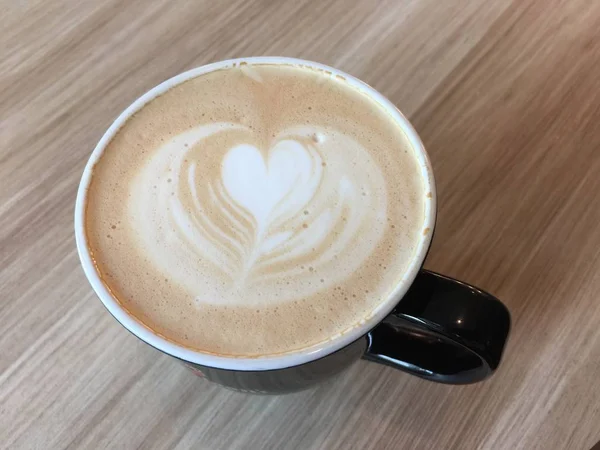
443,330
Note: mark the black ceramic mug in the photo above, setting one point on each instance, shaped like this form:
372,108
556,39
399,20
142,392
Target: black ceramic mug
432,326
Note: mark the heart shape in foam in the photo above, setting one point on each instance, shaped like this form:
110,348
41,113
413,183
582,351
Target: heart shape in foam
278,187
186,212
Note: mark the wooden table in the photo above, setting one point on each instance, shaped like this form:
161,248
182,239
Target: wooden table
506,95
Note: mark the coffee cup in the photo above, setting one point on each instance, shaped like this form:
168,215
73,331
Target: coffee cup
421,322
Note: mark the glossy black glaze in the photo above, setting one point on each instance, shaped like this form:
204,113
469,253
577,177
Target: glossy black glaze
442,330
289,379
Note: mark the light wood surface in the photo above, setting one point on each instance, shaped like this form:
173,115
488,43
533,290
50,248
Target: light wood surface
506,96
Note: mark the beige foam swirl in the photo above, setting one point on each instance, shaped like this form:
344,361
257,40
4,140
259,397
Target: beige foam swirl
253,225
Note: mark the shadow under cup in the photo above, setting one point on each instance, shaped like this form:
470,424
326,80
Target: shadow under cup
432,326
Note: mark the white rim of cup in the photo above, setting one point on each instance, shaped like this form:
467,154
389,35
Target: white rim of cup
276,361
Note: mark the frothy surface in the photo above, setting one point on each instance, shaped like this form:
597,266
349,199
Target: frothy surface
255,210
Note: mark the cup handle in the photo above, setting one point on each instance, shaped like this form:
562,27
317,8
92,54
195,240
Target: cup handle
442,330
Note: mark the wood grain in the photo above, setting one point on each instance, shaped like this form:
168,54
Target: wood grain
506,96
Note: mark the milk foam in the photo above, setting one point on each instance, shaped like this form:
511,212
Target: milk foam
255,210
231,235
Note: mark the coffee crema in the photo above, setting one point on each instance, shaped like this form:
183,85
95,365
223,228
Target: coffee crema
255,210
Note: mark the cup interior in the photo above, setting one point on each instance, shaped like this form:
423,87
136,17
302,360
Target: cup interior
272,361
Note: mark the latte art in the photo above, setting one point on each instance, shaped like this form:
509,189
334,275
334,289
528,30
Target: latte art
293,212
255,210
